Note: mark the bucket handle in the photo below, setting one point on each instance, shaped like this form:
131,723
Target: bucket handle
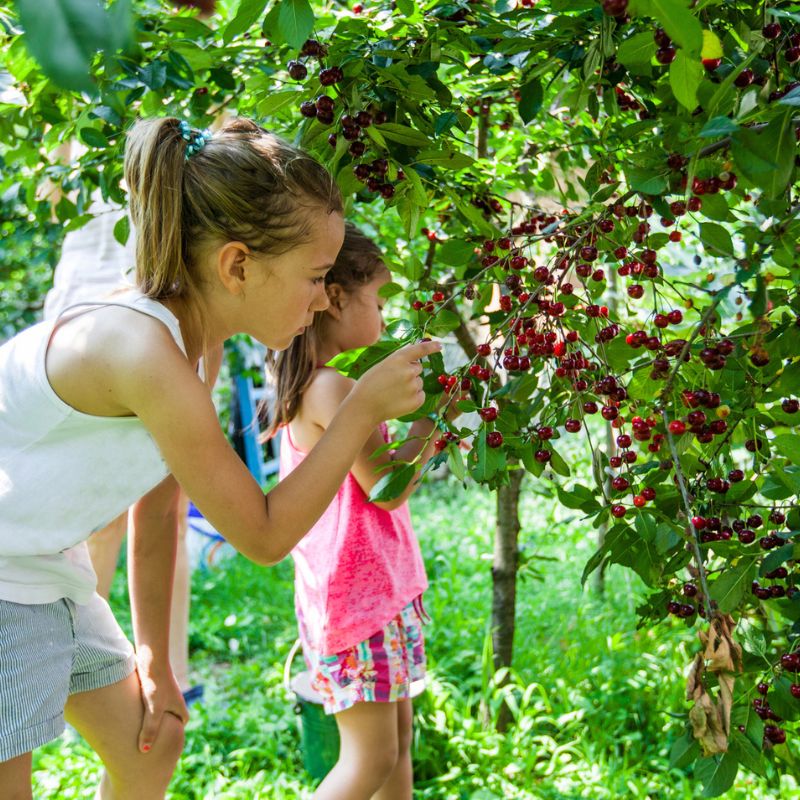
287,668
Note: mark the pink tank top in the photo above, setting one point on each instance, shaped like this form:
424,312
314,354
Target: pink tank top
357,568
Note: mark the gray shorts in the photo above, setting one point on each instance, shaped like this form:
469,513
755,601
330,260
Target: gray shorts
48,652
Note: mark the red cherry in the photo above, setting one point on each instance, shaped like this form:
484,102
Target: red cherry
488,414
618,511
711,63
771,31
666,55
494,439
639,501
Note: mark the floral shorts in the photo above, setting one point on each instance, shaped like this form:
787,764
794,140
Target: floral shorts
380,669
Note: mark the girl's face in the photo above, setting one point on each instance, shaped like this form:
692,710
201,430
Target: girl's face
360,322
293,286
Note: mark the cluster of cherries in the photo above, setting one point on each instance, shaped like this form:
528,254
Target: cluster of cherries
774,734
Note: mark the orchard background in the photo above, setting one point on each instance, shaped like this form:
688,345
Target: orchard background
597,201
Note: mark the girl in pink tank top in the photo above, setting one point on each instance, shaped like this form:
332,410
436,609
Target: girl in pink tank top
359,575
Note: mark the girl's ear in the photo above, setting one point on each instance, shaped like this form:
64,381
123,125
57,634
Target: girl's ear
337,296
232,266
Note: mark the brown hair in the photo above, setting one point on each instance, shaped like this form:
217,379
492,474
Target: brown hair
292,370
245,185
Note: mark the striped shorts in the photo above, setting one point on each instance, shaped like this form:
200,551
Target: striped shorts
380,669
48,652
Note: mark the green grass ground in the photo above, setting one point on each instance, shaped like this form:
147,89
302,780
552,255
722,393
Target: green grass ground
596,701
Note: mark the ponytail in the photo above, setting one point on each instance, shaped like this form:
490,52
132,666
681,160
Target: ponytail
154,167
243,184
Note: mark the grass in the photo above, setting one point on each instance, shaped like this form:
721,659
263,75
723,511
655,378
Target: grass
595,700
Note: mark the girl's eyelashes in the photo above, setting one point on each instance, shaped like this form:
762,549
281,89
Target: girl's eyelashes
319,280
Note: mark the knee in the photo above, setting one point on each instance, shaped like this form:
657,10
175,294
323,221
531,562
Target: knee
385,760
169,744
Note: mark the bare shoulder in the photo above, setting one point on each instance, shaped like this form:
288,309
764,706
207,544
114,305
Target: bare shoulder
96,357
323,397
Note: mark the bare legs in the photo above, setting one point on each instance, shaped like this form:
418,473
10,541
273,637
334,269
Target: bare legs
375,755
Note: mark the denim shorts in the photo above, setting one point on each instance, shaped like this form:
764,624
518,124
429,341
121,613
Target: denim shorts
48,652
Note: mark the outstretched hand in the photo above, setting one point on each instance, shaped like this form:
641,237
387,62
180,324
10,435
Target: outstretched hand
393,388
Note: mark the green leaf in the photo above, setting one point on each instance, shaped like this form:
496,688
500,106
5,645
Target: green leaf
684,751
122,230
487,460
716,239
447,159
790,380
454,252
246,14
776,557
718,126
782,701
716,773
729,589
64,36
766,157
275,101
645,181
558,464
788,445
681,25
685,76
404,135
531,99
746,753
93,137
638,49
456,463
295,21
393,483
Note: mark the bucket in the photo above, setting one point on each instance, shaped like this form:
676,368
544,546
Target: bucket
319,734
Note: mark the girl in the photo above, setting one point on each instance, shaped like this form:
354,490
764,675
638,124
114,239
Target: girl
105,405
359,575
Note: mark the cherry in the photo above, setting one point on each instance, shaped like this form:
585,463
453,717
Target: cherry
735,476
623,440
771,30
648,493
711,63
762,688
675,317
620,484
677,427
484,350
330,76
545,432
615,8
662,39
675,236
494,439
311,47
618,511
297,70
635,291
488,414
609,413
590,407
792,55
744,78
666,55
791,662
755,521
790,405
308,108
639,501
324,103
572,425
542,456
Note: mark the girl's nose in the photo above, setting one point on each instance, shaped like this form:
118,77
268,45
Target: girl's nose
321,301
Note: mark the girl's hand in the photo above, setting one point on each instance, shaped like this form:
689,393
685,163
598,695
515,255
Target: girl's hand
160,695
394,387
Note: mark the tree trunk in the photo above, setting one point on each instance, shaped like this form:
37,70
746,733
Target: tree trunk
504,579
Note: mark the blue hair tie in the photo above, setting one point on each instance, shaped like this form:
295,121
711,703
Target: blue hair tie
195,140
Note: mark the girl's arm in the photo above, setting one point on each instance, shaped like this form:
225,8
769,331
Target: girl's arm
151,563
155,381
152,538
320,407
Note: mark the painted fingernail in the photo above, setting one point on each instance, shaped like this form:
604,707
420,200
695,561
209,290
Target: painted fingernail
146,748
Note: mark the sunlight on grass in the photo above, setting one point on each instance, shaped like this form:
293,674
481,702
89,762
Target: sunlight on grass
594,699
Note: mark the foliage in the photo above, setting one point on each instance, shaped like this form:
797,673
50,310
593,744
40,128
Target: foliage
593,695
616,209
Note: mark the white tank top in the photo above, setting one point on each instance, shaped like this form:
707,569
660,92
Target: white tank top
63,474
